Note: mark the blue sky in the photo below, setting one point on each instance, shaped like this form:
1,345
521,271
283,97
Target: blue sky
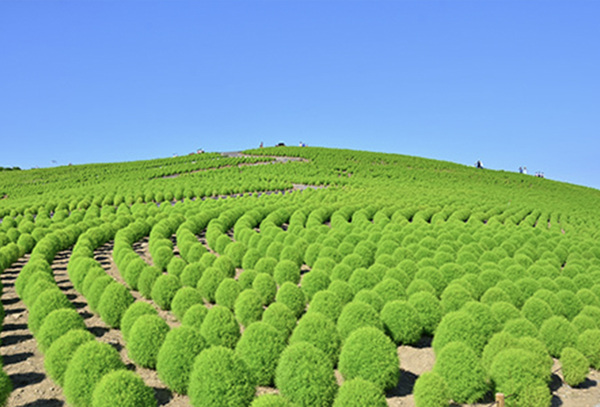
511,83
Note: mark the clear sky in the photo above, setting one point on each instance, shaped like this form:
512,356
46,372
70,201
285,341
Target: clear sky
512,83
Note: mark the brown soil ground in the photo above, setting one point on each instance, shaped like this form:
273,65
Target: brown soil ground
25,365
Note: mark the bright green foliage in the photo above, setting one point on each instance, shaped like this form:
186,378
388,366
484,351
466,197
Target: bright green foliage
327,303
227,293
355,315
164,289
293,297
369,297
147,280
588,343
246,278
401,322
582,323
194,316
6,387
176,357
286,271
191,274
39,282
429,309
313,282
498,343
135,310
56,324
575,366
369,354
390,289
521,327
91,361
271,400
485,322
61,351
133,272
209,283
97,289
458,326
114,301
260,347
145,339
557,333
183,300
265,285
363,279
220,378
342,289
248,307
504,311
280,317
220,328
537,311
431,390
266,265
359,393
122,388
48,301
571,304
514,371
305,376
319,331
460,367
176,266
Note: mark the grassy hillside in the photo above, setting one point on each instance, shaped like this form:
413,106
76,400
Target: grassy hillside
328,259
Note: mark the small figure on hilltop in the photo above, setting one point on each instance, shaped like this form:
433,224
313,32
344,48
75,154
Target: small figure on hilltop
520,170
479,164
525,170
261,144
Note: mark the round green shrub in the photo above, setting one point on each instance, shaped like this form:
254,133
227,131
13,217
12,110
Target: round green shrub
90,362
390,289
39,282
557,333
220,378
521,328
355,315
343,290
582,323
401,321
133,272
267,265
48,301
176,266
248,307
369,354
145,339
458,326
246,278
114,301
194,316
369,297
504,311
454,297
122,388
164,289
341,272
571,304
305,376
147,279
251,257
515,370
313,282
226,265
191,274
260,347
286,271
587,297
176,357
429,309
485,322
495,294
537,311
209,283
327,303
575,366
220,328
319,331
497,343
359,393
588,343
97,289
61,351
265,285
293,297
419,285
135,310
280,317
363,279
56,324
227,293
460,367
430,390
183,300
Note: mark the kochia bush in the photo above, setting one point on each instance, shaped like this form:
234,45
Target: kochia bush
194,316
48,301
56,324
358,393
588,343
248,307
220,328
122,388
280,317
91,361
431,390
176,357
114,301
145,339
429,309
575,366
220,378
61,351
260,347
293,297
327,303
369,354
135,310
355,315
319,331
147,279
558,333
184,298
402,322
164,289
305,376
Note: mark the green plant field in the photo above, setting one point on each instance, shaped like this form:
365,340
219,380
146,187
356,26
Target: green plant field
281,272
